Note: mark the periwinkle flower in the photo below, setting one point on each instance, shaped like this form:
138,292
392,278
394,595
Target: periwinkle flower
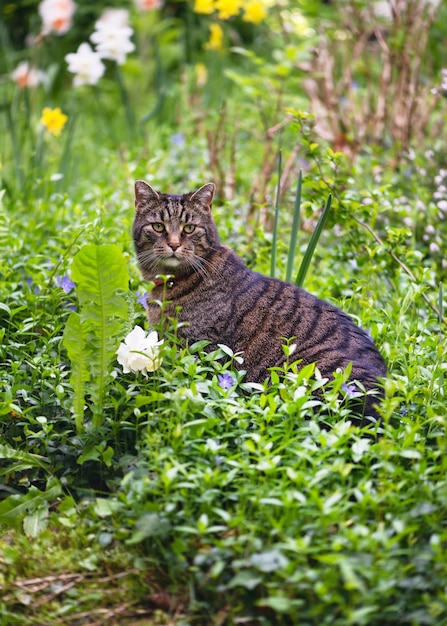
350,390
225,380
65,283
142,299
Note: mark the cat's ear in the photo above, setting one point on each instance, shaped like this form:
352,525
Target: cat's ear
144,194
204,195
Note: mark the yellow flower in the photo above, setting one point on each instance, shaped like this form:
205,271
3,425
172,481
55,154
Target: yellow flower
201,74
254,11
228,8
216,38
204,6
53,120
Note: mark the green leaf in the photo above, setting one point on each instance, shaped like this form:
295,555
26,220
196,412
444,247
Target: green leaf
102,281
24,459
305,263
295,228
75,342
245,578
37,521
14,508
276,219
149,525
99,272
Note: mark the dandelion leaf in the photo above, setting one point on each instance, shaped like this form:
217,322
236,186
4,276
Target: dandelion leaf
102,281
75,342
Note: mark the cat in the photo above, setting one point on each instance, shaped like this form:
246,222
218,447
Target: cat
221,300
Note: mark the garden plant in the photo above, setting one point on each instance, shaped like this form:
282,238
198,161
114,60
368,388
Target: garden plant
147,482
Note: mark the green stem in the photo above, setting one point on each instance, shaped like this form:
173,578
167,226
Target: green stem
295,228
276,218
125,100
305,263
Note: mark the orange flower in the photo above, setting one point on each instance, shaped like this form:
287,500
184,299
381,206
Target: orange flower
53,120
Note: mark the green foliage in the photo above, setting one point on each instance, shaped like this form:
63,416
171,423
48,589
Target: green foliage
192,496
91,337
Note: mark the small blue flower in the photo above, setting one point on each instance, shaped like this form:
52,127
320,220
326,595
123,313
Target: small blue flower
178,139
225,380
350,390
368,334
142,299
30,283
65,283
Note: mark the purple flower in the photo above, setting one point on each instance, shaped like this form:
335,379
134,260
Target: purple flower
350,390
225,380
368,334
142,299
178,139
30,283
65,283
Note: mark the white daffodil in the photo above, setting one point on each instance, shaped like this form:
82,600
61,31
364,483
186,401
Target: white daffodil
140,352
86,65
112,40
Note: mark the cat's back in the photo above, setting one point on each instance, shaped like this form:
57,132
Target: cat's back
256,315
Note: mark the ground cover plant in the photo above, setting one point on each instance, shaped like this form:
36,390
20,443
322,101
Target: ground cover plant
158,486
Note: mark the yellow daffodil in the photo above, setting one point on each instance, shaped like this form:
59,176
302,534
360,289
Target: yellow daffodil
254,11
204,6
201,74
216,38
228,8
53,120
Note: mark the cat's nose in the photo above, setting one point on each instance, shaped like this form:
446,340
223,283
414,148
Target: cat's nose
174,245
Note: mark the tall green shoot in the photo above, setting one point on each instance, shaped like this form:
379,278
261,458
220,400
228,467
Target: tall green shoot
307,258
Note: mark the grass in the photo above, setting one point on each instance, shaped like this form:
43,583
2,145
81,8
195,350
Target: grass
177,499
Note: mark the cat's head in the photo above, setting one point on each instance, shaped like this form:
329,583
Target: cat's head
173,234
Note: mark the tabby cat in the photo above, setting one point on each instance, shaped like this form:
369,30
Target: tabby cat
223,301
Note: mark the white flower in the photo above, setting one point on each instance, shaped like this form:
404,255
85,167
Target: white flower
57,15
113,40
140,352
119,17
26,76
86,65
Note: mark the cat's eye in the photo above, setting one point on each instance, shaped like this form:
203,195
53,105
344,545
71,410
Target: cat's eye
189,228
158,227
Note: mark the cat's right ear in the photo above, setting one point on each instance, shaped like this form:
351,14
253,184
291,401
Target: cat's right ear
144,194
204,195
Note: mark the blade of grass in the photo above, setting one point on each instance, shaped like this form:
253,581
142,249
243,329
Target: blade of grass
275,221
295,228
313,243
440,304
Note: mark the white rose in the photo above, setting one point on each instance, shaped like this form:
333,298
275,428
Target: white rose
140,352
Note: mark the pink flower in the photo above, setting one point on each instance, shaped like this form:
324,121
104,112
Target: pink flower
57,15
26,76
148,5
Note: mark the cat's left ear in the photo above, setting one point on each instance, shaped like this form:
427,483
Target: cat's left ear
204,195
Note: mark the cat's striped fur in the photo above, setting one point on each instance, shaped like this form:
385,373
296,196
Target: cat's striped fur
224,302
